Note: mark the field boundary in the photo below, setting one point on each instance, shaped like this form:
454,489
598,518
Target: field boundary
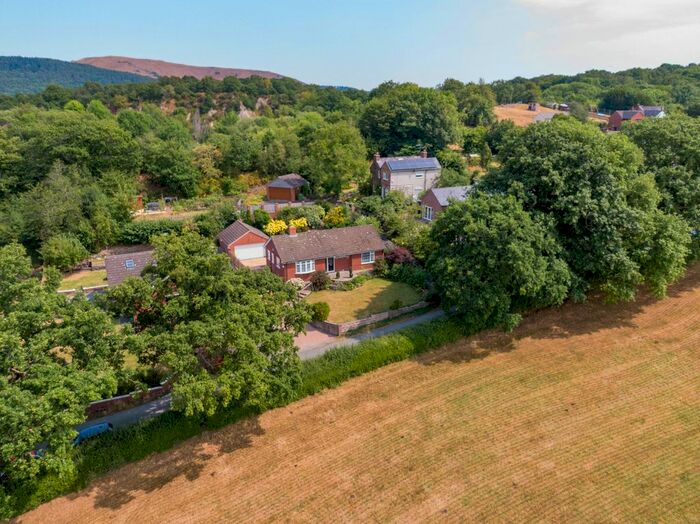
337,329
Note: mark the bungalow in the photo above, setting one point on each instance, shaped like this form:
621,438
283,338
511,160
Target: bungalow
436,200
244,244
120,267
298,255
618,117
286,188
412,175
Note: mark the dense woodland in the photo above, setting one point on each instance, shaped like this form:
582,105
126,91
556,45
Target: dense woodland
563,211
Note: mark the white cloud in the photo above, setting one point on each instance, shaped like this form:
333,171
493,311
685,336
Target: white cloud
613,34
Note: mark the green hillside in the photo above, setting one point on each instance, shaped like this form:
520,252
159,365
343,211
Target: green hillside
19,74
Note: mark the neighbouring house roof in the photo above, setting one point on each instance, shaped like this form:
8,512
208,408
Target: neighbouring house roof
445,194
628,114
235,231
120,267
324,243
290,181
411,163
651,111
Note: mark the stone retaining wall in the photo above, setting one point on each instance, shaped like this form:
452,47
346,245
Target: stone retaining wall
337,330
100,408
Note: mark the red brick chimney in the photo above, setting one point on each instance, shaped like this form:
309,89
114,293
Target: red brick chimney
424,153
292,231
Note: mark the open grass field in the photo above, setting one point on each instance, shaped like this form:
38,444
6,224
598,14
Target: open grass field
374,296
521,116
84,278
587,413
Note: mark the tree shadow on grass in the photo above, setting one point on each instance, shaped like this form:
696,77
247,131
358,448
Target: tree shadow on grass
187,460
568,320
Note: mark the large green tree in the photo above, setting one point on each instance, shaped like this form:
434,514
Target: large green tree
337,156
406,115
491,261
589,185
226,336
56,356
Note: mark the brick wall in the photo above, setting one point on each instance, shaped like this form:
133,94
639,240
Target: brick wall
337,330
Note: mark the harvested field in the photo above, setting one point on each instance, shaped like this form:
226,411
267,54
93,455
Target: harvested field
587,413
521,116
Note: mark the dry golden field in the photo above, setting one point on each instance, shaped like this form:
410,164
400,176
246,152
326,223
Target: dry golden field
589,413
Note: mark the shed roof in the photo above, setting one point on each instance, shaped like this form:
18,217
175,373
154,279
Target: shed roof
324,243
120,267
235,231
290,181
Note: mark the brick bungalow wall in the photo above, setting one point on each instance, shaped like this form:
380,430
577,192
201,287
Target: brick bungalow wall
430,200
288,271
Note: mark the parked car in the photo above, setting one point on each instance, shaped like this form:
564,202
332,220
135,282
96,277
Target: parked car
92,431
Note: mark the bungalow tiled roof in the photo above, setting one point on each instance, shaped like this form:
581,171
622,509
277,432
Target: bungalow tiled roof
629,113
326,243
120,267
289,181
235,231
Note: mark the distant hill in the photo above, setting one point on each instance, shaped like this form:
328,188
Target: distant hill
158,68
20,74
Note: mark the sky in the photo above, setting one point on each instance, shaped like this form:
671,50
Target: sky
361,43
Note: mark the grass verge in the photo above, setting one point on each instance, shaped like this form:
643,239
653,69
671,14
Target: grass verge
161,433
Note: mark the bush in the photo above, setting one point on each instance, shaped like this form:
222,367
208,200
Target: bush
396,304
320,311
354,283
63,251
410,274
400,255
275,227
320,281
313,215
261,218
381,267
141,232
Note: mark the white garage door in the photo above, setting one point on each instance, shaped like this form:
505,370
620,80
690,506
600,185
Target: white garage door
249,251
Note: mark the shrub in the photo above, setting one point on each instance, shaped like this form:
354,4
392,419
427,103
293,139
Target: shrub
141,232
409,274
381,267
261,218
63,251
313,215
400,255
275,227
320,311
396,304
299,223
336,217
320,281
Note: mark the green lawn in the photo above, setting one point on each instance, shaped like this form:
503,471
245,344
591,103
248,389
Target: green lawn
374,296
84,279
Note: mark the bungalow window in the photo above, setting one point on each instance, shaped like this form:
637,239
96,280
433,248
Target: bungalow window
427,213
129,264
304,266
367,257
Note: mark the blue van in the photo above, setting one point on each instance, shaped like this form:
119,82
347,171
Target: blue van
92,431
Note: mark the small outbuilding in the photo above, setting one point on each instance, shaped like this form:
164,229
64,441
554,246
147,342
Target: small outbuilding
286,188
244,244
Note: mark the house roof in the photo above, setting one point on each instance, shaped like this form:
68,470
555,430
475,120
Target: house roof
651,110
119,267
235,231
289,181
628,113
445,194
411,163
323,243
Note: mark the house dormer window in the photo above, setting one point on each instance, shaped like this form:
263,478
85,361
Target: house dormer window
129,263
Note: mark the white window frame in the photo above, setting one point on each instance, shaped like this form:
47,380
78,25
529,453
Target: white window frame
428,213
304,267
370,257
130,263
